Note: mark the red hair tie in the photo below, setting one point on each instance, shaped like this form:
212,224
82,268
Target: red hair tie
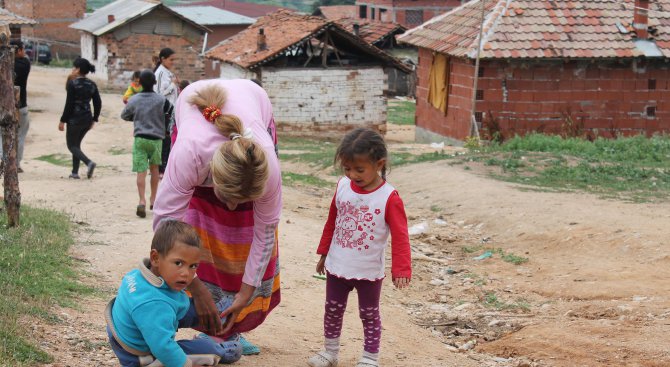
211,113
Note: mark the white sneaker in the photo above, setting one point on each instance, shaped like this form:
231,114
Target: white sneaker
322,359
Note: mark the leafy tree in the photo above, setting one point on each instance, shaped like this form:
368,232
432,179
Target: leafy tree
318,3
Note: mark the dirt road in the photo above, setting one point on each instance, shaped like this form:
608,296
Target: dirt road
594,291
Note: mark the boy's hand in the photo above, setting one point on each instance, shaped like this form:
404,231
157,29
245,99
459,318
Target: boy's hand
401,283
320,266
61,126
208,314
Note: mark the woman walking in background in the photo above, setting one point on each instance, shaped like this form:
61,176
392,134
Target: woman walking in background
167,85
77,113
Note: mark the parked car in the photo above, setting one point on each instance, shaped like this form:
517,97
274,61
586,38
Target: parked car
43,53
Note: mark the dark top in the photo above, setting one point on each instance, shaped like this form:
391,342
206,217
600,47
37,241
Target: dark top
80,92
21,71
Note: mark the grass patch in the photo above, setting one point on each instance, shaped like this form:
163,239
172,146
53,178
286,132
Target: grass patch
297,179
401,112
435,208
633,168
491,300
36,274
57,159
471,249
117,151
62,63
316,153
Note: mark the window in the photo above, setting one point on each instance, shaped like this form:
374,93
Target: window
414,17
480,72
479,116
438,82
363,11
95,48
372,13
651,111
652,84
480,94
382,15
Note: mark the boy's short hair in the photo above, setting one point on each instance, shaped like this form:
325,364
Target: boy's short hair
184,83
170,231
136,74
147,79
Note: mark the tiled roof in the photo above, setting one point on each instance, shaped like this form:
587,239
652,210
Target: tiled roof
371,32
335,12
123,11
209,15
285,29
252,10
7,17
545,29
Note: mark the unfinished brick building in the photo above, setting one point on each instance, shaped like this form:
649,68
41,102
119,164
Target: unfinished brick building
53,19
319,77
596,68
125,35
408,13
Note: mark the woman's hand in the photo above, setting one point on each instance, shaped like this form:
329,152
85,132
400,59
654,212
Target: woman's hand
241,299
401,283
208,314
320,266
61,126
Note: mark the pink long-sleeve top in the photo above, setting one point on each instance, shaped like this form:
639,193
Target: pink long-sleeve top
198,139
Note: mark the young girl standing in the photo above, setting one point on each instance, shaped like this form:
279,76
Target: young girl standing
363,212
167,85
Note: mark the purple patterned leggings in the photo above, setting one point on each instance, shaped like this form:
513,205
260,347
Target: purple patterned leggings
337,293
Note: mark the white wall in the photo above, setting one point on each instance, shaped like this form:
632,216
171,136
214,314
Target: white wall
229,71
331,99
87,44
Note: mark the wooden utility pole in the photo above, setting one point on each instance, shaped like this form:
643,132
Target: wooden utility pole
9,122
474,128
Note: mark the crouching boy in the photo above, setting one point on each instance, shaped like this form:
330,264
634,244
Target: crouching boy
151,305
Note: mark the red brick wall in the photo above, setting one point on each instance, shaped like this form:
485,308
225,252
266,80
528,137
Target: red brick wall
456,123
606,98
135,53
54,17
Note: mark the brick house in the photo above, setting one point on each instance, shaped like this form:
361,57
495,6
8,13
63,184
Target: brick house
561,66
319,77
54,18
222,23
125,35
15,23
408,13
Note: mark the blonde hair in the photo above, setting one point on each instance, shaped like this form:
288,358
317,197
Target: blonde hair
239,167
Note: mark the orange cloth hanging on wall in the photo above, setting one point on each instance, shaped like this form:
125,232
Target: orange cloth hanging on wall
438,83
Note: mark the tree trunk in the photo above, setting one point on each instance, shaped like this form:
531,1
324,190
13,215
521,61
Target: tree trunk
9,121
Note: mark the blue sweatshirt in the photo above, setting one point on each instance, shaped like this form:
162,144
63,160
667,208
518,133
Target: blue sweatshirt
146,314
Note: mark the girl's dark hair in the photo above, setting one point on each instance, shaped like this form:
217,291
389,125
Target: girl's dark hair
136,74
84,66
164,54
170,231
362,142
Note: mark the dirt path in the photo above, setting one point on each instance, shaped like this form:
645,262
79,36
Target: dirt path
594,291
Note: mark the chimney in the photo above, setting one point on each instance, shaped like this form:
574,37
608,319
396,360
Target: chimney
261,45
110,18
640,19
357,29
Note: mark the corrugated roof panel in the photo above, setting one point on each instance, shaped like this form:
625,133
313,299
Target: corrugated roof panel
7,17
209,15
122,11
